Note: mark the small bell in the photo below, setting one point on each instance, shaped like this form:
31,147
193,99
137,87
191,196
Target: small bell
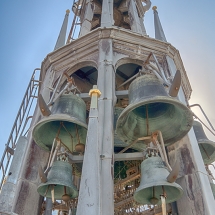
59,183
154,183
206,146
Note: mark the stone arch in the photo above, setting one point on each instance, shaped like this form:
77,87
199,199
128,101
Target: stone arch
126,68
126,60
84,73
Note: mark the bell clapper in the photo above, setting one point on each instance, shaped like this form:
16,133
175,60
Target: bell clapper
154,200
65,197
80,147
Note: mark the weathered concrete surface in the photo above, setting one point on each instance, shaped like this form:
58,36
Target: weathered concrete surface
88,16
89,196
107,100
96,189
27,200
197,198
135,21
9,188
107,14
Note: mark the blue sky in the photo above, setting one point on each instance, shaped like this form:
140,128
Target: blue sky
29,30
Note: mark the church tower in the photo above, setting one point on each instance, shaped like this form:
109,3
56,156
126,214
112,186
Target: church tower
112,131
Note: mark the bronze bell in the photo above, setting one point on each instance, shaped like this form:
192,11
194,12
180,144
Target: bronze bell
151,108
207,147
213,189
118,143
154,183
60,180
67,122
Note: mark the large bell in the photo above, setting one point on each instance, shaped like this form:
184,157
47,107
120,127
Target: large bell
150,106
118,143
60,179
67,122
207,147
154,183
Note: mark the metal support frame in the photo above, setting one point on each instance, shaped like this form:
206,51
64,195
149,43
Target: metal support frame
117,157
19,123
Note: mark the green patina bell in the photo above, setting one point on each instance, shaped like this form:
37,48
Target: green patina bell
118,143
207,147
60,179
213,188
151,108
67,121
154,183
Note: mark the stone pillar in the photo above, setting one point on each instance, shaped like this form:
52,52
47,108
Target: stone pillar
193,178
89,193
88,17
107,13
49,206
96,189
27,200
142,25
107,100
134,18
9,188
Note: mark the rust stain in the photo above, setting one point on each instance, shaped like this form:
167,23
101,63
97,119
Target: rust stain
188,165
92,6
31,167
112,167
105,46
171,148
190,185
195,195
23,195
30,164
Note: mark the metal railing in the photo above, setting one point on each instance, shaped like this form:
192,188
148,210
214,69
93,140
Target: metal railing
22,119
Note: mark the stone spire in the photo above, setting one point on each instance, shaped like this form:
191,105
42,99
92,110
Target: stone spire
62,35
159,33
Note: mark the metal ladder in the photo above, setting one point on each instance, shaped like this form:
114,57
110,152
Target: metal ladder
22,119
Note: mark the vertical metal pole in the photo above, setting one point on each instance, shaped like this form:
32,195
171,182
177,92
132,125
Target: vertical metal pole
49,205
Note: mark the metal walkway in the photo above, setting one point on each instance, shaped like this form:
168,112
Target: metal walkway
19,126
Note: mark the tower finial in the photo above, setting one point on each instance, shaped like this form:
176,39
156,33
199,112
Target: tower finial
159,33
154,8
62,35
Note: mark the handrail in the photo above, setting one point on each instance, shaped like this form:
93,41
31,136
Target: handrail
22,115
